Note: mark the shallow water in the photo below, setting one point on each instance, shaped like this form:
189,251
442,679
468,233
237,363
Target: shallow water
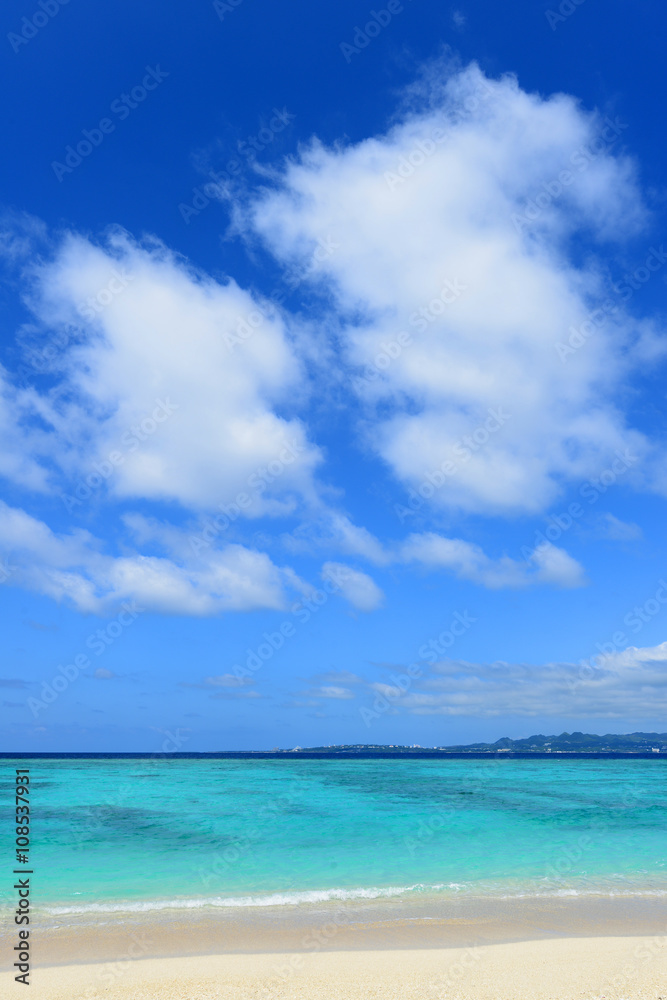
146,835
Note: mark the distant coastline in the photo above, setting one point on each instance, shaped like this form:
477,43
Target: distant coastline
572,745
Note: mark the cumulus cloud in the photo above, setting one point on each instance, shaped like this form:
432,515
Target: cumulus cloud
179,375
72,567
548,564
441,250
453,285
359,589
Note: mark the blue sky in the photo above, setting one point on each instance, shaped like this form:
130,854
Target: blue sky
332,373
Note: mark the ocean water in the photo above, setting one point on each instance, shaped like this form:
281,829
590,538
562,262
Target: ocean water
113,835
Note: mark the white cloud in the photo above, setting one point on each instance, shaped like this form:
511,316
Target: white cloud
356,540
630,684
549,564
634,656
331,691
334,530
356,587
228,680
17,439
618,531
556,566
72,567
386,690
435,242
196,384
337,677
235,694
213,361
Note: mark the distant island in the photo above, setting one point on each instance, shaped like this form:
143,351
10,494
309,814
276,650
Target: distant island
565,743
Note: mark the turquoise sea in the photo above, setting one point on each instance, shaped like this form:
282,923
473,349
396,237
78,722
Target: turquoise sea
157,834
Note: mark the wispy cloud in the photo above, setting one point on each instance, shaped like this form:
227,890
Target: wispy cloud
615,530
548,563
630,684
331,691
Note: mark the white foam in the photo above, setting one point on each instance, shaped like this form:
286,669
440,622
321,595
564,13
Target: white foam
271,899
310,896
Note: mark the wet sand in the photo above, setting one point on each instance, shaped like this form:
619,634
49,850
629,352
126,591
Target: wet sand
367,925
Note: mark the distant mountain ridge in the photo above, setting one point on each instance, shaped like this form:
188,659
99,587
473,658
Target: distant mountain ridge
566,742
575,741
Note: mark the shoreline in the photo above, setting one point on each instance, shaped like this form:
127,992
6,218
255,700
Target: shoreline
348,926
407,753
585,968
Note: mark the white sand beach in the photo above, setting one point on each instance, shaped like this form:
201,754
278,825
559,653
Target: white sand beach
613,968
